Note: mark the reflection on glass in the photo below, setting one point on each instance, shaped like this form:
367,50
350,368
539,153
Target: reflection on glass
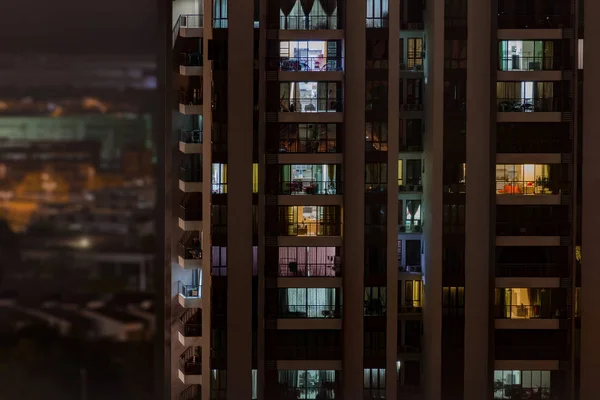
309,179
526,179
311,384
516,384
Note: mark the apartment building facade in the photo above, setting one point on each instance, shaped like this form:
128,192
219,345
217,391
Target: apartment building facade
320,200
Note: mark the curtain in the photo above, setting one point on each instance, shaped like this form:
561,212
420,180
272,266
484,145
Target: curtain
286,8
307,6
328,6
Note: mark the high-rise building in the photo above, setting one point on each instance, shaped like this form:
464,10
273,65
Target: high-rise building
376,199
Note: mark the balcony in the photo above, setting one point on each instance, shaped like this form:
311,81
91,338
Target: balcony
190,212
292,269
310,187
529,270
190,296
527,317
190,142
190,328
412,226
190,178
321,22
190,366
190,102
193,392
311,102
190,25
523,184
310,311
190,64
307,68
310,228
529,68
308,352
537,20
189,250
411,307
531,109
310,138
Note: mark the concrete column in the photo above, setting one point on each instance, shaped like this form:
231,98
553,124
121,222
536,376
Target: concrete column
392,200
262,93
590,252
206,199
239,198
477,374
354,198
433,199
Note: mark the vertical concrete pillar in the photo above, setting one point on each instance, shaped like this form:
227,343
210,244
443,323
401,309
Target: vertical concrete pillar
392,200
206,198
240,113
478,204
590,252
433,199
354,198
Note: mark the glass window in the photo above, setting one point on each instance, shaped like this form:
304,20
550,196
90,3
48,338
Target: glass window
525,179
219,179
376,177
376,138
414,52
377,13
255,178
375,301
412,293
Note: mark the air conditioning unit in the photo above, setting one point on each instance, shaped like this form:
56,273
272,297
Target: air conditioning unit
402,228
417,229
418,67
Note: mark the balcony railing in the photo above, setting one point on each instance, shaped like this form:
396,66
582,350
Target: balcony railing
311,228
191,320
528,270
292,393
414,226
517,392
310,187
526,145
191,137
314,104
534,21
190,207
411,306
310,311
308,271
308,352
190,98
192,59
312,22
191,291
528,312
190,362
376,187
540,228
537,187
415,269
190,174
191,20
308,146
529,63
193,392
190,246
529,104
305,64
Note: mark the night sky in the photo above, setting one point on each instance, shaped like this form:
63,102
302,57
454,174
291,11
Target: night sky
78,26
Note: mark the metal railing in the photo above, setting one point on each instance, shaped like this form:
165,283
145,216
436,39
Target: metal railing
305,64
308,146
191,20
191,320
314,104
193,59
412,226
534,21
312,270
307,393
310,187
312,22
540,228
190,174
532,187
527,63
218,188
528,312
308,352
528,270
375,187
415,269
311,228
190,363
192,291
529,104
193,392
527,145
517,392
194,136
310,311
190,98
